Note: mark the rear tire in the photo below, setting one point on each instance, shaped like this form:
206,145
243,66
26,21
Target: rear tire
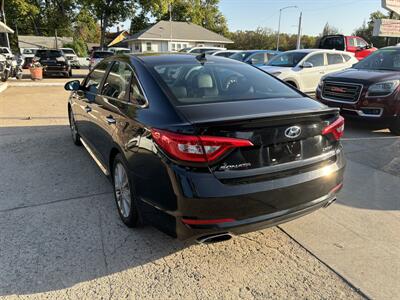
74,130
395,126
124,194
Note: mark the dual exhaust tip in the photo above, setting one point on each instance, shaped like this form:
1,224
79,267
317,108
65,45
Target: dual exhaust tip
214,238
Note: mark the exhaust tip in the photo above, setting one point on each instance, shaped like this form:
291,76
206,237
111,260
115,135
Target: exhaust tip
329,203
214,238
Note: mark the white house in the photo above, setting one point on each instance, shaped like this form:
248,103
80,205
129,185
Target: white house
167,36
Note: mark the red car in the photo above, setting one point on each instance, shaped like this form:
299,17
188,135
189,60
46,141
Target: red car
355,44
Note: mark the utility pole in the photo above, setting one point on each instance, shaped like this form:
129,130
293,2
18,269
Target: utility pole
299,32
55,36
279,24
170,26
4,21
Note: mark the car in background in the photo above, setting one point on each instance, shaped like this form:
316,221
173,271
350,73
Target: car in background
119,50
53,62
6,52
27,54
204,146
71,57
200,50
354,44
223,53
256,58
97,56
304,68
370,90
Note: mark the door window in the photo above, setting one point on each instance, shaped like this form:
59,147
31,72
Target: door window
317,60
258,59
136,95
93,80
117,82
361,43
334,59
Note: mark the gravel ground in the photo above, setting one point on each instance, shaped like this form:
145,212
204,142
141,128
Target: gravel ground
61,236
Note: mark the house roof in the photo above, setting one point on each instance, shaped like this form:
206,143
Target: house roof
32,41
180,31
5,28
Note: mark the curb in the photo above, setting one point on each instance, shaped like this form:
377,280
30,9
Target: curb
3,86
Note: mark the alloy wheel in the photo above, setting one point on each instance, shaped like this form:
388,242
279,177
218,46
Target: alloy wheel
122,190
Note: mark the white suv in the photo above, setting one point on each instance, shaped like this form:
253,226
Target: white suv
304,68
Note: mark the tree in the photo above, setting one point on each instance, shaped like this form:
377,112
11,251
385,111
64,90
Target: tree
328,30
110,12
86,27
201,12
366,29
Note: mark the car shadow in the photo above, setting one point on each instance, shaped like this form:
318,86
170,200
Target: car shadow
59,223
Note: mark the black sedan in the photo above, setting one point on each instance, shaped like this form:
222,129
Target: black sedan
54,62
204,146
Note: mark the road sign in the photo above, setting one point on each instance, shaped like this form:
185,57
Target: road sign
392,5
386,27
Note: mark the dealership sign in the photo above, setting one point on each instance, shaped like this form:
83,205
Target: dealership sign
392,5
386,27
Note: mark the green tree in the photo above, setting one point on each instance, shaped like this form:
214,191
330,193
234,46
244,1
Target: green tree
328,30
86,27
110,12
365,31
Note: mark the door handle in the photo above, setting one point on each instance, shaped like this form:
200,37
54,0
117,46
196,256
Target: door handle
110,120
88,109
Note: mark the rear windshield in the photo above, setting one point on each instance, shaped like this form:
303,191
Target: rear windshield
241,56
192,83
384,59
49,53
68,51
288,59
102,54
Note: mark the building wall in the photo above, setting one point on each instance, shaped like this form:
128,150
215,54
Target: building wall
166,46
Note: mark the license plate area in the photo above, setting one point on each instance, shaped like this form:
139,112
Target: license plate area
285,152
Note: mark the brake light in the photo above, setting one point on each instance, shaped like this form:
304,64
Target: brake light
336,128
195,148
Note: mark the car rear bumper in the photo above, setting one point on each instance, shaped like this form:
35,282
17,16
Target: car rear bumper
206,205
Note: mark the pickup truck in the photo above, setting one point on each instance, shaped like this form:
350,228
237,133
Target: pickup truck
355,44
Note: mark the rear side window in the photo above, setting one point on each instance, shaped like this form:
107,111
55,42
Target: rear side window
258,59
346,57
193,83
317,60
94,78
117,82
335,42
334,59
102,54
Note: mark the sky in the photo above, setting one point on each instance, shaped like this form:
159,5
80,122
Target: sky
346,15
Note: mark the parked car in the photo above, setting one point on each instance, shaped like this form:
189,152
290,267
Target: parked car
98,56
27,55
256,58
6,52
354,44
119,50
71,57
54,62
369,90
200,49
303,69
223,53
205,147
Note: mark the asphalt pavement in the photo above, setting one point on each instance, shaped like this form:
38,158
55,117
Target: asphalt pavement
61,236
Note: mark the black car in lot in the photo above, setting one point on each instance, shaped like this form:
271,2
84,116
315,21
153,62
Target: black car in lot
204,146
54,62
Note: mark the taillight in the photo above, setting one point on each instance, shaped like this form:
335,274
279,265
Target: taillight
195,148
336,128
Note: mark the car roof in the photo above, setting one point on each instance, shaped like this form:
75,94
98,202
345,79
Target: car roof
167,58
316,50
255,51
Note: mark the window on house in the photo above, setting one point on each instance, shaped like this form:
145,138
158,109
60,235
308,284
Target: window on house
137,47
178,46
148,46
173,46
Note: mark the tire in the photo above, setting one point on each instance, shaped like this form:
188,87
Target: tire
124,193
67,75
5,75
395,126
76,138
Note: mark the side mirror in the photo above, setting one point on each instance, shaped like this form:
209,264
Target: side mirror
251,61
307,65
73,85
